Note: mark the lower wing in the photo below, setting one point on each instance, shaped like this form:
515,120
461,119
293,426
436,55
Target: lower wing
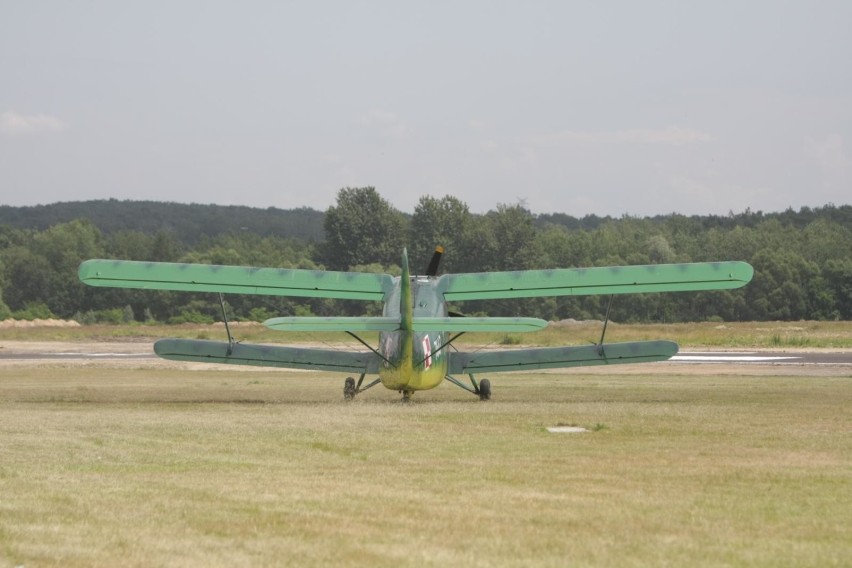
556,357
267,356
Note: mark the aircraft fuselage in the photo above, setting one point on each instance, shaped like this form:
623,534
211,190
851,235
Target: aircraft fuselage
413,360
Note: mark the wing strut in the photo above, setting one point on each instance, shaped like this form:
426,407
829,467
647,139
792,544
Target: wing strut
445,344
227,327
606,320
370,347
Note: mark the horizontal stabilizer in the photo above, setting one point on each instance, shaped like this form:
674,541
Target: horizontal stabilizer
267,355
333,324
590,281
556,357
235,279
393,324
456,324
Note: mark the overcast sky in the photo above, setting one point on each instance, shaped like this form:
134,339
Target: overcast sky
601,107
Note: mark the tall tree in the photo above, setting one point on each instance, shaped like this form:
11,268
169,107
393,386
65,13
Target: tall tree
505,239
445,222
27,277
63,247
362,228
515,238
778,290
838,273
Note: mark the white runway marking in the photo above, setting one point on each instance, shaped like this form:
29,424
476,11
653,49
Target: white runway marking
566,429
739,357
76,354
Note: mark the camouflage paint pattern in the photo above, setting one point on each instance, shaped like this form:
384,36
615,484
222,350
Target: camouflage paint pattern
558,357
455,325
589,281
267,356
414,326
235,279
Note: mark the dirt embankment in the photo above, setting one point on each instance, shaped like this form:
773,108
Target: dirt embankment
11,323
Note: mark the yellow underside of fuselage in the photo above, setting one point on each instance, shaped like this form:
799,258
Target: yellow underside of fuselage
405,378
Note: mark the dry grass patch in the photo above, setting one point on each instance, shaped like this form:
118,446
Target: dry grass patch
103,466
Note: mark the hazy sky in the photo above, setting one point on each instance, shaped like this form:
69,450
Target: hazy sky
603,107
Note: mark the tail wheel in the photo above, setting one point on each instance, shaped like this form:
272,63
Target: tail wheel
349,389
484,389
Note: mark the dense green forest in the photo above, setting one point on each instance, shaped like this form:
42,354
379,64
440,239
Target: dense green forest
188,223
802,259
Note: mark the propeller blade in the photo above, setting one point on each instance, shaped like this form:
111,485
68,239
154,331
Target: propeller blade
436,259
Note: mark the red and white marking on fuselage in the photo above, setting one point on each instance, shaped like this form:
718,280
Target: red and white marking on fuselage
427,352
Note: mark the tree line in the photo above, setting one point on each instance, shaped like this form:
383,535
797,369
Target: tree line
188,222
802,260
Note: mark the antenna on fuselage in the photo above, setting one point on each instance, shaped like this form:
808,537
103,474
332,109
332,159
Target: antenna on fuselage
436,259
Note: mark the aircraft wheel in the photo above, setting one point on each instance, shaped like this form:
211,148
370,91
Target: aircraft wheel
349,389
484,389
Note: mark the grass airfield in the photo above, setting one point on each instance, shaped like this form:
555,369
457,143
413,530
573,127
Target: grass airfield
145,462
154,465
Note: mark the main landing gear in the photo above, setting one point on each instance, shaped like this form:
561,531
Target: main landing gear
482,389
350,388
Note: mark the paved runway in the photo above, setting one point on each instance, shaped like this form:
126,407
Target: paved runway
764,357
73,355
685,357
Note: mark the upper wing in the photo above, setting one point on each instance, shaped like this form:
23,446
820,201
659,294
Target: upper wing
235,279
555,357
267,355
588,281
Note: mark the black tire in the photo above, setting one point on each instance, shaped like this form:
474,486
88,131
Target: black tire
349,389
484,389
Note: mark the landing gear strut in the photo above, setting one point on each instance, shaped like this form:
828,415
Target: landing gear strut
482,388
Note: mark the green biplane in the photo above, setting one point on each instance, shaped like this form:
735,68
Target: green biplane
416,328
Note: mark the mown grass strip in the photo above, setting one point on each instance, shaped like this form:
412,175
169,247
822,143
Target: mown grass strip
105,466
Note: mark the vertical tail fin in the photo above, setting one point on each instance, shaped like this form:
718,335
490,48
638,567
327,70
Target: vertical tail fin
406,302
406,313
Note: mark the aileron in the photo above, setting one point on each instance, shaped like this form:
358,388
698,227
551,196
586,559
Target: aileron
235,279
590,281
